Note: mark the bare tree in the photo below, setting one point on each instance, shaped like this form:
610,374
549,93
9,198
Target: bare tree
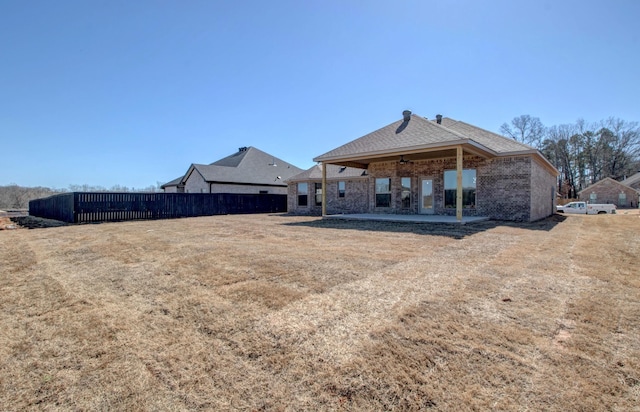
621,142
13,196
562,148
17,197
525,129
593,149
115,188
586,153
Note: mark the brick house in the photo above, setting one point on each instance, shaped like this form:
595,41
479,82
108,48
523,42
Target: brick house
249,170
421,166
610,191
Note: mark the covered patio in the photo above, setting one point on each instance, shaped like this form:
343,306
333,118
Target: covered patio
385,147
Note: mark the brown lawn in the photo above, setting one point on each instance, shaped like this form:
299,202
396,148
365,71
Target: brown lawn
266,312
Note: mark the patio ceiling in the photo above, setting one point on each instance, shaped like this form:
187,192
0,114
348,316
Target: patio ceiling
362,160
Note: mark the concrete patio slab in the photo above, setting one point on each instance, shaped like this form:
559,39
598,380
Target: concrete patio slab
408,218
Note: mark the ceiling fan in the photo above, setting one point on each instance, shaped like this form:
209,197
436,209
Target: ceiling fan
403,161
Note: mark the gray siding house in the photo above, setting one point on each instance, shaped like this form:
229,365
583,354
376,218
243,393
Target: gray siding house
421,166
249,170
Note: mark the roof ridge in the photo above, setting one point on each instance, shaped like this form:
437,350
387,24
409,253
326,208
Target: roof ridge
333,172
435,123
414,118
247,150
261,152
196,165
607,178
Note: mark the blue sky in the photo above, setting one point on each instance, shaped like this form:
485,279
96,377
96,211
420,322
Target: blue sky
132,92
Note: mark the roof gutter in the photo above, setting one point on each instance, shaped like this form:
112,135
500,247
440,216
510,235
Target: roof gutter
212,182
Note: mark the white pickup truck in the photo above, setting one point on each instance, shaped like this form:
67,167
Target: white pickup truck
585,208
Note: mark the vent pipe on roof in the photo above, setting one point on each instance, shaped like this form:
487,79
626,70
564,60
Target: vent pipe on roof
406,115
439,118
243,149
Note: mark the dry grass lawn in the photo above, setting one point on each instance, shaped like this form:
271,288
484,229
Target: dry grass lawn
264,312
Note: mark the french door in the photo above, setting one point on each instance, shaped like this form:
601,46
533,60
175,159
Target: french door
426,196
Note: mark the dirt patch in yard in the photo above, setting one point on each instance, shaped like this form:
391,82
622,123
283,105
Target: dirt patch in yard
20,219
260,312
32,222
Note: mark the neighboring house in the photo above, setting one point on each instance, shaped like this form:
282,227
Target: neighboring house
610,191
249,170
442,166
174,186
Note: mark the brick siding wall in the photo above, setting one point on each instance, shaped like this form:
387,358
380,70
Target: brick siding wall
504,188
356,196
355,199
418,170
543,192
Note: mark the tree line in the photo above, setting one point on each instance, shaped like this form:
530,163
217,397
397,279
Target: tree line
584,153
13,196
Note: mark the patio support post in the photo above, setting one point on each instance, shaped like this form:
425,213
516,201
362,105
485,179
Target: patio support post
459,184
324,189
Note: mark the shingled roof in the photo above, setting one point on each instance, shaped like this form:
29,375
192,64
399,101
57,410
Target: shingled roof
333,172
247,166
605,181
632,180
175,182
415,134
494,141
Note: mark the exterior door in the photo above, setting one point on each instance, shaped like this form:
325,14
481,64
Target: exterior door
426,196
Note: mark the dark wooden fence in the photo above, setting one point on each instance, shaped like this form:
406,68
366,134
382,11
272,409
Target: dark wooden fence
78,207
58,207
